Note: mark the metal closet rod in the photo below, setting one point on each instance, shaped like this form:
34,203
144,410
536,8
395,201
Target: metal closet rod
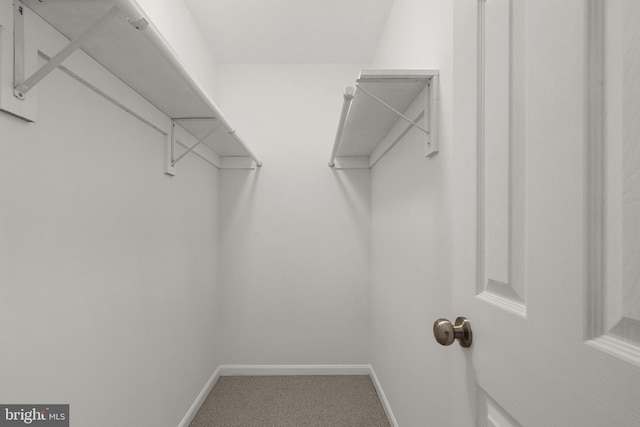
138,20
346,104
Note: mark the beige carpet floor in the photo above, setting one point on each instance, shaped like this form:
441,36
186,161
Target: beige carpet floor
292,401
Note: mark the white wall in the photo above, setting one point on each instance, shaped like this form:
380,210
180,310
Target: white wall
411,235
295,235
108,275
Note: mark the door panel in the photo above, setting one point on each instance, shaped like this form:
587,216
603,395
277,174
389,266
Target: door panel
547,201
500,52
614,167
491,414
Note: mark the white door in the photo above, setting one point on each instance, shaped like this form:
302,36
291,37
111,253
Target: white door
547,212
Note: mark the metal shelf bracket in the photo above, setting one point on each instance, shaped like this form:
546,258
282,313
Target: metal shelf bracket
174,139
389,107
23,85
174,159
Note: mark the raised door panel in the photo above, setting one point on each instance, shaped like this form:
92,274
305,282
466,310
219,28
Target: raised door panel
491,414
613,318
501,154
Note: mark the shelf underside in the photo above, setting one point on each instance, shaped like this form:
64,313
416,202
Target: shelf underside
369,121
132,57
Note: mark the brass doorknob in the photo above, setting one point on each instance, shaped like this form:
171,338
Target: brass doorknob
446,333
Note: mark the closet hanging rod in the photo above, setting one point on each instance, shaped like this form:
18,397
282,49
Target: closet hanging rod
346,104
138,20
194,118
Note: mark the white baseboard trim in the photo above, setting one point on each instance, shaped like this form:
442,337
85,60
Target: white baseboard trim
242,370
195,407
383,398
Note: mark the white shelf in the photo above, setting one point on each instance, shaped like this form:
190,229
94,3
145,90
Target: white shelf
370,129
143,60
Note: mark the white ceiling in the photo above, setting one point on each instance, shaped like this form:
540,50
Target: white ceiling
292,31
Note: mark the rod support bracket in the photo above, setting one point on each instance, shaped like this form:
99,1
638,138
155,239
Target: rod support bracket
349,91
140,24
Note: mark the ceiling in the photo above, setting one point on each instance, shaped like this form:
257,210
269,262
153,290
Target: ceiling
292,31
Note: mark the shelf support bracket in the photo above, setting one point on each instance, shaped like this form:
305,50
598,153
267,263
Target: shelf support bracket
190,149
22,86
392,109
